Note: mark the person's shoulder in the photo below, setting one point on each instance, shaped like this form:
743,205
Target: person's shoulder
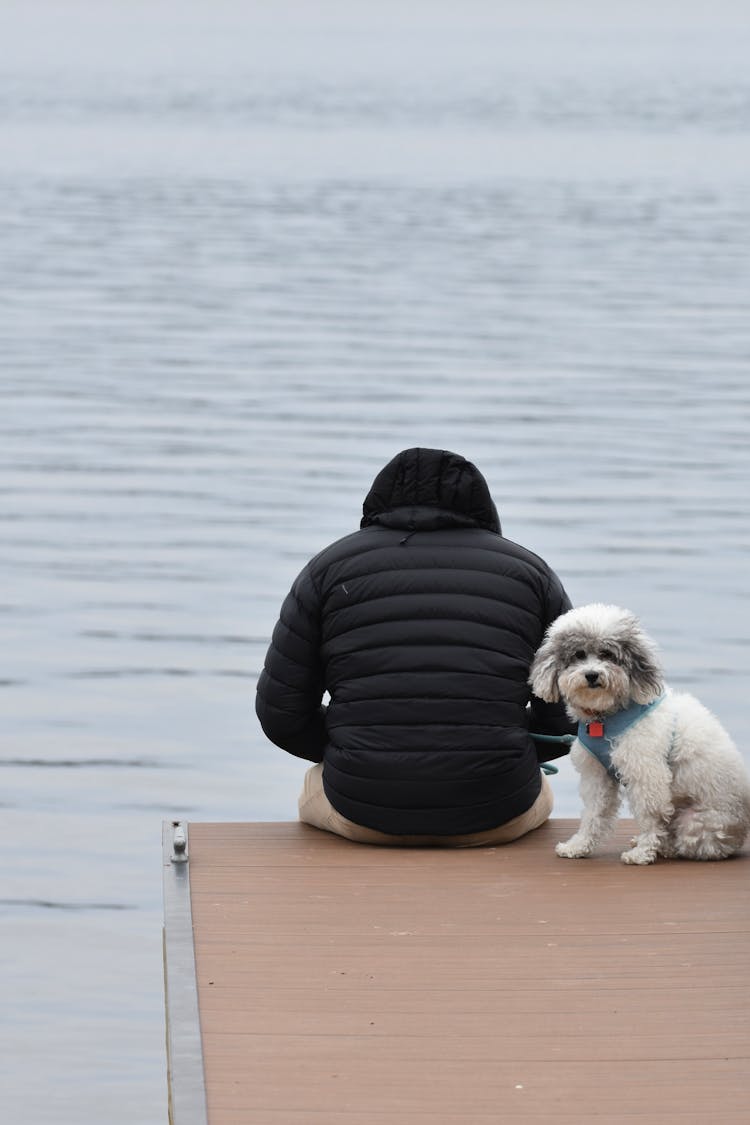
352,544
523,554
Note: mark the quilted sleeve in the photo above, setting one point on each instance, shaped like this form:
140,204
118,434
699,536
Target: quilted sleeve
290,687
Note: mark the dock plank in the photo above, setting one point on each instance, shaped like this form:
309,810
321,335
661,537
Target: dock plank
388,986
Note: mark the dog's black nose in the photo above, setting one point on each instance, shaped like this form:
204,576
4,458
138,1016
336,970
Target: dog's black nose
592,678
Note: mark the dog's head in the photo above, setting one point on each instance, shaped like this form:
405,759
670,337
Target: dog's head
598,660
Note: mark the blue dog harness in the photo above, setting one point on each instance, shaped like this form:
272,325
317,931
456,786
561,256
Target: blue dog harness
598,735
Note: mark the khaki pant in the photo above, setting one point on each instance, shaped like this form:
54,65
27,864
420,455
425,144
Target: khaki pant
316,809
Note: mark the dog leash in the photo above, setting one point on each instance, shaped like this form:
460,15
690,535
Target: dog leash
559,740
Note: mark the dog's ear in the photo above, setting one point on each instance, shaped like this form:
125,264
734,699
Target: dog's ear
543,675
646,676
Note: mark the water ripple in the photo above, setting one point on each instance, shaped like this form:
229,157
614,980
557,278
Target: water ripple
82,763
43,904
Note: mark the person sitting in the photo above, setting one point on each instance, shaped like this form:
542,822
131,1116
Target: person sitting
421,626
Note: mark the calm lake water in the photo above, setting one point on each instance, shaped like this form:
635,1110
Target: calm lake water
250,252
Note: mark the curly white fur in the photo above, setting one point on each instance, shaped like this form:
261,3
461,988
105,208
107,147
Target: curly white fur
686,783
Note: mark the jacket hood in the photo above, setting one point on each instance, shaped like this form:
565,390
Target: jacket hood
424,489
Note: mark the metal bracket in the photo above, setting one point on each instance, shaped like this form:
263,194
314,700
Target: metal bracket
179,843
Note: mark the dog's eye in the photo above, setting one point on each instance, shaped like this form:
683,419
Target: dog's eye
607,654
580,654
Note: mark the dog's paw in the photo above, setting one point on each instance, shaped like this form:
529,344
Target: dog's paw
574,848
639,855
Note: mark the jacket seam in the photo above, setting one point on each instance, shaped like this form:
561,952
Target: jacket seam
428,671
414,644
431,594
277,680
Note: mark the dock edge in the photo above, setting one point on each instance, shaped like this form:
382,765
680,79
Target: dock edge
185,1072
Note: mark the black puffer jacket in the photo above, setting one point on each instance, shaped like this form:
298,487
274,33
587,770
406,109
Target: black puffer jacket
422,627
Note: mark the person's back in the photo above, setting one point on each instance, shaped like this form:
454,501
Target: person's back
422,627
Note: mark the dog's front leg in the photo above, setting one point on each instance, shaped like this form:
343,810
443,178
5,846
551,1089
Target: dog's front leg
601,801
648,842
650,800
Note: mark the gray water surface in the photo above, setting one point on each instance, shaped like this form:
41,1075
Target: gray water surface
248,254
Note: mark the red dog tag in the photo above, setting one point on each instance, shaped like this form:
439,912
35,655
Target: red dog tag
595,729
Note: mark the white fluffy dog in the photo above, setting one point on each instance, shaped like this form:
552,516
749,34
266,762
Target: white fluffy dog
685,780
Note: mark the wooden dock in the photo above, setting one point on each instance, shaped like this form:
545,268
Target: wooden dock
341,984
